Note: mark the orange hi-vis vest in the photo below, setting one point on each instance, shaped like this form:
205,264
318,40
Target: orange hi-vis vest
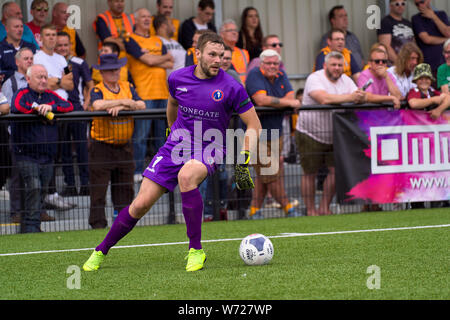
191,52
240,60
113,130
347,59
128,23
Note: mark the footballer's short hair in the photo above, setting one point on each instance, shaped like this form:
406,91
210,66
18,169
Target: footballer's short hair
209,37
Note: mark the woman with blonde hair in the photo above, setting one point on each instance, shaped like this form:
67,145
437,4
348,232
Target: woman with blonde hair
408,58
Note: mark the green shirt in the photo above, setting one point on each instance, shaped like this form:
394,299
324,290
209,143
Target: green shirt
443,75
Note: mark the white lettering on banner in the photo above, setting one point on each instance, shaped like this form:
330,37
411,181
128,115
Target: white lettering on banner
414,148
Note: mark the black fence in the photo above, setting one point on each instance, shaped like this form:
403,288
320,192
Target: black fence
90,180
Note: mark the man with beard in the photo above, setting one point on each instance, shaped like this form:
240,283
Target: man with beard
314,128
201,96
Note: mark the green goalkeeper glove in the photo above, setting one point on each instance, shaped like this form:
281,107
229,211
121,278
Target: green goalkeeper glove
242,174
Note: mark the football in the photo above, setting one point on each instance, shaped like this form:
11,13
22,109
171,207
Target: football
256,249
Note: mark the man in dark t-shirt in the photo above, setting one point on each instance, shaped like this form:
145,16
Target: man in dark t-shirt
395,30
431,29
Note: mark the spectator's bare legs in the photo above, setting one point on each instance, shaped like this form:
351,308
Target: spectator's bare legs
308,190
259,193
276,188
329,189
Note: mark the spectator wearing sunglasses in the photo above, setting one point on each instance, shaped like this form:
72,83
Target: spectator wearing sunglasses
431,29
39,12
270,41
395,30
384,85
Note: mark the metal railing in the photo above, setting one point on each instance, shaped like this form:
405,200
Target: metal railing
75,216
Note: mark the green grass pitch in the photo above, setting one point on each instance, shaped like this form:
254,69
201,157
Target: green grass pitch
321,263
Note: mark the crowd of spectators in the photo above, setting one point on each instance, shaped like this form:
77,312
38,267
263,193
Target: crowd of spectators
137,52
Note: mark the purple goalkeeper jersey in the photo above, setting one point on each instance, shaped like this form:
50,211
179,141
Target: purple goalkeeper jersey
205,107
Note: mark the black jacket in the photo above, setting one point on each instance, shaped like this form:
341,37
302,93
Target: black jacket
187,31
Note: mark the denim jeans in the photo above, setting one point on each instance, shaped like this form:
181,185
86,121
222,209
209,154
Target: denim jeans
142,131
36,178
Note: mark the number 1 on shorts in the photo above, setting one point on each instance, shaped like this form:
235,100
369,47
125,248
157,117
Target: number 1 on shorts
158,159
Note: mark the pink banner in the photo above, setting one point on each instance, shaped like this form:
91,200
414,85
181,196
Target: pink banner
409,156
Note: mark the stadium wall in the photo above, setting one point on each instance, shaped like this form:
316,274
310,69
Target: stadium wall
300,23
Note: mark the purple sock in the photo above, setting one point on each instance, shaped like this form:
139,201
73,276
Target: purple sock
123,224
192,204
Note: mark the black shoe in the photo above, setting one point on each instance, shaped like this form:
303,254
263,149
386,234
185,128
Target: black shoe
16,218
69,191
84,191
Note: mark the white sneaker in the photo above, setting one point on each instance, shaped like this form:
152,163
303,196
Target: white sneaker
57,202
137,177
4,194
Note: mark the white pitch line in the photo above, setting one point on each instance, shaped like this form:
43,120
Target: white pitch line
282,235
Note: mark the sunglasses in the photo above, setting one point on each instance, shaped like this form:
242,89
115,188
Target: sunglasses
379,61
41,9
399,4
274,45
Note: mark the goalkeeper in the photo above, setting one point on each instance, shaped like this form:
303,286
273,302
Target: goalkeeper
201,96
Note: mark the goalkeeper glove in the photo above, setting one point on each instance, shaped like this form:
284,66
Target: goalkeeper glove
242,174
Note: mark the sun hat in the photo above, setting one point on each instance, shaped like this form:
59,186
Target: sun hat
422,70
110,62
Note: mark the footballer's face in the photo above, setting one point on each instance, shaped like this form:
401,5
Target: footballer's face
210,59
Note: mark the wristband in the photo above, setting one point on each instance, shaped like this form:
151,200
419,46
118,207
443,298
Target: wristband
247,157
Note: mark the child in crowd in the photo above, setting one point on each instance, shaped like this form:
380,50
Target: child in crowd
425,96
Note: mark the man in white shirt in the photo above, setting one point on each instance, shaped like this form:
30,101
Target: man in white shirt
59,80
314,128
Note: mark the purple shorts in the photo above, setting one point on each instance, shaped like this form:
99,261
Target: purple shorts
164,171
